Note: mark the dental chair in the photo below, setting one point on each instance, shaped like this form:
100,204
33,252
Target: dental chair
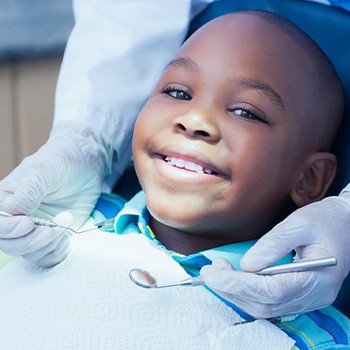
330,28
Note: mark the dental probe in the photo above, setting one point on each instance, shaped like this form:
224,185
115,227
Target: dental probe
105,225
42,222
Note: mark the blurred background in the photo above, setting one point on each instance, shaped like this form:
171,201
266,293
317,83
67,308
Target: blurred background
33,35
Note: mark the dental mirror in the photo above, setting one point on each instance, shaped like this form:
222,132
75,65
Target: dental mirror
144,279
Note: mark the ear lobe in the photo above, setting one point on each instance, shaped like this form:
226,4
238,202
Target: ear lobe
315,178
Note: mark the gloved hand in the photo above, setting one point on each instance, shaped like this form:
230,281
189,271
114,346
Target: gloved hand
65,174
50,243
317,230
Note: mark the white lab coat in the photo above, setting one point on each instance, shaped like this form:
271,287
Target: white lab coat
114,57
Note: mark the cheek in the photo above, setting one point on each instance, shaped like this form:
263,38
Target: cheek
260,160
142,131
137,130
153,118
249,150
145,126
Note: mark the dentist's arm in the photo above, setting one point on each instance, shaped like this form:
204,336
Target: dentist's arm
317,230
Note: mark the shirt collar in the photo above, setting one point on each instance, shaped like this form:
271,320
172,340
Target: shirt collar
135,216
132,212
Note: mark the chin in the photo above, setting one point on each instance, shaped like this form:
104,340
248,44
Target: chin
173,220
184,212
184,221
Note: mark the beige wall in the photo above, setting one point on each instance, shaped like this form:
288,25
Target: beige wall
26,109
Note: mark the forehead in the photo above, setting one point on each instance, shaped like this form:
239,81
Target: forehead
239,31
245,44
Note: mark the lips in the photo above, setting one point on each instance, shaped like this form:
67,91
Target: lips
188,165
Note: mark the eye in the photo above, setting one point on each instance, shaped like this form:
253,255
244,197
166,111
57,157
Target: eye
246,113
177,93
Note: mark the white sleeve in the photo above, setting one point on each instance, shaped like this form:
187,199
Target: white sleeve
346,189
114,57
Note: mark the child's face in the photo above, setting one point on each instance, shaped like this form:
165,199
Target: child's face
220,142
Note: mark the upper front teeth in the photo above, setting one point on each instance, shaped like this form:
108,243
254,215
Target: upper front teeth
185,164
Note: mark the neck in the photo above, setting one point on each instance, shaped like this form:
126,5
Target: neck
193,242
182,242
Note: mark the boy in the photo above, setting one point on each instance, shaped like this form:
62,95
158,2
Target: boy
239,126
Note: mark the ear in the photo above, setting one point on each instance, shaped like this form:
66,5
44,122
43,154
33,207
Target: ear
315,178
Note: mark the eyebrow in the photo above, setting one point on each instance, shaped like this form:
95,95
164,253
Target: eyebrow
266,89
184,62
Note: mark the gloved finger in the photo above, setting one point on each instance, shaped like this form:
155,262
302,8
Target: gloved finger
42,251
15,226
6,188
268,296
60,240
39,237
64,218
297,304
26,198
57,255
251,293
220,263
56,251
278,242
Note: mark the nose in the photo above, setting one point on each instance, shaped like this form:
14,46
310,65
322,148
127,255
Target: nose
198,125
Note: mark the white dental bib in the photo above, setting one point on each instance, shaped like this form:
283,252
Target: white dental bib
89,302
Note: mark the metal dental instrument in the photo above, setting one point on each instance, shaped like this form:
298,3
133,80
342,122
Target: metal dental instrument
144,279
43,222
105,225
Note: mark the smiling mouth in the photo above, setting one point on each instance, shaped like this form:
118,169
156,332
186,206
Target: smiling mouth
188,165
